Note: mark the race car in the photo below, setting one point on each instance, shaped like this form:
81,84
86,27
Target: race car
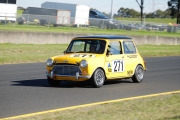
97,59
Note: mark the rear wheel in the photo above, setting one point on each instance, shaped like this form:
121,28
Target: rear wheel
52,82
138,75
98,78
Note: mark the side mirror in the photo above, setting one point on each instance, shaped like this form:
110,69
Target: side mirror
65,51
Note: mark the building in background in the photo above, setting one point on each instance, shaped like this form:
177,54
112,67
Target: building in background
79,13
8,11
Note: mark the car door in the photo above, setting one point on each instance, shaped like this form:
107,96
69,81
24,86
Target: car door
115,63
130,55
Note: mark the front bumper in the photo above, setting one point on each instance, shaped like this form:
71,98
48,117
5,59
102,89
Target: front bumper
77,76
67,72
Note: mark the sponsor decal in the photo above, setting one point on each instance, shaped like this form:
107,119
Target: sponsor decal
130,72
109,70
109,65
132,56
84,56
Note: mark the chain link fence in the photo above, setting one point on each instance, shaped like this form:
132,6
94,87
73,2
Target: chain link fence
56,21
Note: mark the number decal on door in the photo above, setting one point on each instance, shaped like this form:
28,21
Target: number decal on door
118,66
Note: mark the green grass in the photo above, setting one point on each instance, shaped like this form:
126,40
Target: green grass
156,20
28,53
19,12
14,27
159,50
155,108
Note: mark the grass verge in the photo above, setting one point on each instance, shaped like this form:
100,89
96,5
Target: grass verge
165,107
155,20
159,50
28,53
14,27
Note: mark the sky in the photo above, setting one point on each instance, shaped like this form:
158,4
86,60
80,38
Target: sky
103,5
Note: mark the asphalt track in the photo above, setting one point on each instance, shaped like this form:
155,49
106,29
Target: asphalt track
24,89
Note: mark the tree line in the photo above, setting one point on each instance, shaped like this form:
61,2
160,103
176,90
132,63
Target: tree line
131,13
173,11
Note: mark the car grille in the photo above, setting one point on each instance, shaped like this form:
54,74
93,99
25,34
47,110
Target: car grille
66,70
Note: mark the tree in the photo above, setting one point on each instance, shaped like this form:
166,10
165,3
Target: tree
174,6
133,13
141,7
159,14
167,13
126,12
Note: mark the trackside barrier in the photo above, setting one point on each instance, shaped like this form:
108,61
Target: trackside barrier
19,37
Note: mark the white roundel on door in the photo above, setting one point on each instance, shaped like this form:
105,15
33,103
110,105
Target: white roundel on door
118,66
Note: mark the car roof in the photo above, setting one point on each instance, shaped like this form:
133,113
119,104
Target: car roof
94,10
105,37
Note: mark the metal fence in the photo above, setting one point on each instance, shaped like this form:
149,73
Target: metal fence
56,21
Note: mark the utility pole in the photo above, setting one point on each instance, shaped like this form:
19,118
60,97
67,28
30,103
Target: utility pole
141,7
111,8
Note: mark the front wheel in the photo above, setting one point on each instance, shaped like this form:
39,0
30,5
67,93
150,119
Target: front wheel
138,75
98,78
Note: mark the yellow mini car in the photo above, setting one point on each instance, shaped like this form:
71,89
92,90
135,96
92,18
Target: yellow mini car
97,58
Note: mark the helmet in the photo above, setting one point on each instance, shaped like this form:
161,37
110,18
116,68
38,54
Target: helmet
95,45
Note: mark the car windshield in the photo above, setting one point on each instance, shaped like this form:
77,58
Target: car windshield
87,46
101,14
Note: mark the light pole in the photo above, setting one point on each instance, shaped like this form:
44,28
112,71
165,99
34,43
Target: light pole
111,8
178,16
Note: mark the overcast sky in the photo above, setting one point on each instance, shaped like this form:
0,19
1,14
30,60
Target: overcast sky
103,5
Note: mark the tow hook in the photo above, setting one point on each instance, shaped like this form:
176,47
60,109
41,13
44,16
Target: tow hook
52,74
77,75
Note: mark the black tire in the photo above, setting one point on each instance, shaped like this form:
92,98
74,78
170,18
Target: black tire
98,78
54,83
20,20
138,74
43,22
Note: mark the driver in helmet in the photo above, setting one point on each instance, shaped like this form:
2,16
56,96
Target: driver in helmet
94,47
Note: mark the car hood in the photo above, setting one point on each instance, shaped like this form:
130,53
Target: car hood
73,58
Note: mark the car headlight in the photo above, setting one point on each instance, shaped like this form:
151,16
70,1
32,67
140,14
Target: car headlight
49,62
83,63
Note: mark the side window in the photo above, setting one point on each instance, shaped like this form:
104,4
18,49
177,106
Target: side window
129,47
92,14
114,48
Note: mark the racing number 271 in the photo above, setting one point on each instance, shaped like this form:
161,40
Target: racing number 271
117,66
